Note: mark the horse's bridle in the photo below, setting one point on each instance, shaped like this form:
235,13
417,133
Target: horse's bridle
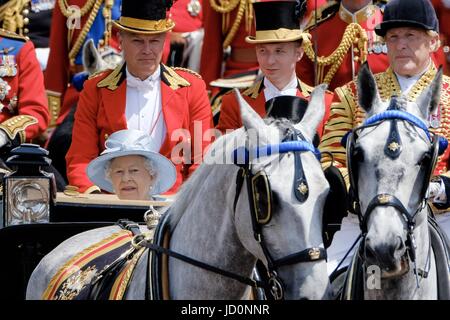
393,148
261,205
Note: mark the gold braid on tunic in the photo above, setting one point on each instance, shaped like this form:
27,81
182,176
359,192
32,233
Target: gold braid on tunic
13,16
225,7
92,6
354,35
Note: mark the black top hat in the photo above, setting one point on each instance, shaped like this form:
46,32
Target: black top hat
145,17
277,21
289,107
408,13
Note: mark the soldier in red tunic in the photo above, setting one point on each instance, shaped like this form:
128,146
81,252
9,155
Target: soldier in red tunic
170,104
226,25
73,23
24,111
343,37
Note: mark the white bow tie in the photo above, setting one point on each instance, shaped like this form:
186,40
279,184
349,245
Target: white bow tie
146,85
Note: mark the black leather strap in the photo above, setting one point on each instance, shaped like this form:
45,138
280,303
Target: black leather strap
307,255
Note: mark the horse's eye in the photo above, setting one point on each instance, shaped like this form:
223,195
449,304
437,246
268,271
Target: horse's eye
358,155
426,158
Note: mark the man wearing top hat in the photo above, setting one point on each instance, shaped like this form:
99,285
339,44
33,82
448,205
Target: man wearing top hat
143,94
411,32
278,41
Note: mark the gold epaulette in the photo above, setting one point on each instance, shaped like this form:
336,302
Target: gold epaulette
54,106
112,81
323,14
172,78
188,71
17,125
253,91
98,73
8,34
13,17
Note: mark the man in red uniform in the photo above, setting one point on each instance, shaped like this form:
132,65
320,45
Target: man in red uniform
72,25
278,49
227,26
169,104
350,25
24,111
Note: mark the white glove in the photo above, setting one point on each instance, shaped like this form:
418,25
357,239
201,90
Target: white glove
4,139
436,192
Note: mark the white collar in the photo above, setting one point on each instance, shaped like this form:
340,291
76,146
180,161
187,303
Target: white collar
406,83
291,85
135,82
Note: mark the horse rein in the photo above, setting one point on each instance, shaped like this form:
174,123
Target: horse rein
393,149
242,158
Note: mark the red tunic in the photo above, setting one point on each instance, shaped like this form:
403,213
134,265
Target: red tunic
58,73
328,35
213,51
26,95
101,111
230,115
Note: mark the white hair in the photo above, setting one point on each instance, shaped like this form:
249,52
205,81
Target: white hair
148,164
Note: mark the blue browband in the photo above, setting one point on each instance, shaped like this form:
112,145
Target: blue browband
401,115
242,155
398,115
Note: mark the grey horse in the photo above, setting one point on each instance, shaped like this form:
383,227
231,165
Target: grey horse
390,158
206,226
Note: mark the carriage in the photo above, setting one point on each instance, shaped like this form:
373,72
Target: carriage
26,244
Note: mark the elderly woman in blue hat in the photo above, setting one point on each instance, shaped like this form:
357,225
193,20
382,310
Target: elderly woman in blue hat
131,167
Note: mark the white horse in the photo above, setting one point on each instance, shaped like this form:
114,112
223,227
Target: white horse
211,220
390,159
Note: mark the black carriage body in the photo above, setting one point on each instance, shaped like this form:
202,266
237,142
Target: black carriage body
23,246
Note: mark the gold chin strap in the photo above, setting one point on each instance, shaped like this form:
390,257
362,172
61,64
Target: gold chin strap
354,35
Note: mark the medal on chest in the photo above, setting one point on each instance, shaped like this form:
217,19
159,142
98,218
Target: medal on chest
4,89
8,67
194,7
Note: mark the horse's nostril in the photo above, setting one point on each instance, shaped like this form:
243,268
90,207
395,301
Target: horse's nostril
369,251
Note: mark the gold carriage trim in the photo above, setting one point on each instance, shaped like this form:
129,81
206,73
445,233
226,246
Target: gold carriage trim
54,106
71,267
17,125
123,279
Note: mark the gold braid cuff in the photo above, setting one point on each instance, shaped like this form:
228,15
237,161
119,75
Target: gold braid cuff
54,106
354,35
17,125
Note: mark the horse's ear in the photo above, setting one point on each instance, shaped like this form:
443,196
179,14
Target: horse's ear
92,61
368,97
314,112
428,101
250,118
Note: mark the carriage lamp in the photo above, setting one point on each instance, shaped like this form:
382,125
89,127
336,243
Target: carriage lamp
28,191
